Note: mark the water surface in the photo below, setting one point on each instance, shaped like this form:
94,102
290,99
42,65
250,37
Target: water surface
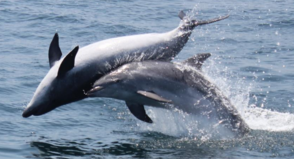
252,62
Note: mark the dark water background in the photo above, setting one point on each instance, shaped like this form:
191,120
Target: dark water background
252,62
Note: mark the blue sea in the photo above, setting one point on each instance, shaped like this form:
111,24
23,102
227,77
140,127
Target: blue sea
252,63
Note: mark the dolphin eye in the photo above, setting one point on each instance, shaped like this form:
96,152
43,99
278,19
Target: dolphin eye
116,80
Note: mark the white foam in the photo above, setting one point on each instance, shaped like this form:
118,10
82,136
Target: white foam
238,91
263,119
178,123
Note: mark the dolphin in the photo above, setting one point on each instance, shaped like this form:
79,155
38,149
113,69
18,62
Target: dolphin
69,77
171,85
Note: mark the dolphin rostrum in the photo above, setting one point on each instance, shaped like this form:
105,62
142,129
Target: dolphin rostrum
171,85
71,76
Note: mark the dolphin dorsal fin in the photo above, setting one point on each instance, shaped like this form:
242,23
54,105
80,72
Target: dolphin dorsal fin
54,51
182,15
197,60
138,111
153,96
68,62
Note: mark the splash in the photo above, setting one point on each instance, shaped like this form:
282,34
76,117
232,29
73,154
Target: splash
263,119
180,124
237,89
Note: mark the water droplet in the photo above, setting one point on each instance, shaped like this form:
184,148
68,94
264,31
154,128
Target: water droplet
289,105
277,33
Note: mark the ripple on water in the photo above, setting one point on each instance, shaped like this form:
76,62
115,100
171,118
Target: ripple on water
255,69
155,145
257,36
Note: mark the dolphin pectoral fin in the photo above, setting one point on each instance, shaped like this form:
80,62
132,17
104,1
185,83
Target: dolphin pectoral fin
68,62
138,111
197,60
153,96
54,51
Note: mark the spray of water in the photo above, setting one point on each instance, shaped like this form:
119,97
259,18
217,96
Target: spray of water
236,88
178,123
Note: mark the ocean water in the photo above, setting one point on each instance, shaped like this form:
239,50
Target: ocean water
252,63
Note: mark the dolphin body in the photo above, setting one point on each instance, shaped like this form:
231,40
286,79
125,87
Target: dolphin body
71,76
171,85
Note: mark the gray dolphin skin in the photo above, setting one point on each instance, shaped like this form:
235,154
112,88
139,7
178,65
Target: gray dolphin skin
71,76
171,85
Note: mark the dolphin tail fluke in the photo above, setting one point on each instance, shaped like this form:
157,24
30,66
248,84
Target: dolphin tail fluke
203,22
190,24
182,15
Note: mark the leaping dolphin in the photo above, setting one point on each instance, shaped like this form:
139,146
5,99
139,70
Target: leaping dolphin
168,85
71,76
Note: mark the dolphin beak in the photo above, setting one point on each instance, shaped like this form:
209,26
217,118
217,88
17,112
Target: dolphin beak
28,111
36,109
196,23
93,90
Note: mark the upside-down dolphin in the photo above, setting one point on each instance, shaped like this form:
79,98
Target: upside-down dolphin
171,85
71,76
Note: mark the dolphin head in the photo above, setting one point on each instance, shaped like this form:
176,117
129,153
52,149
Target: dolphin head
52,92
117,84
133,82
57,86
188,24
45,97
